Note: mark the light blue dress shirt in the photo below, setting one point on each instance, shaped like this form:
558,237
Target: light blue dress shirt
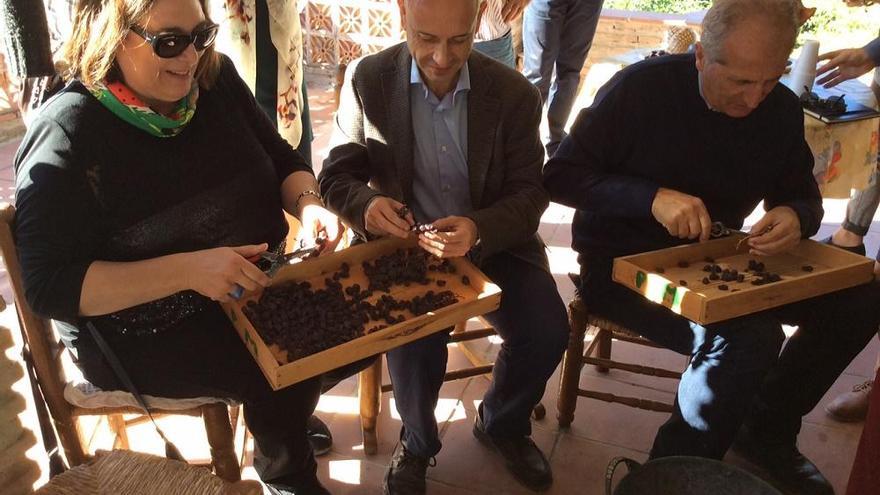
440,180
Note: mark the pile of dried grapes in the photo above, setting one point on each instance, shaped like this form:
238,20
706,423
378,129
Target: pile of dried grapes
302,320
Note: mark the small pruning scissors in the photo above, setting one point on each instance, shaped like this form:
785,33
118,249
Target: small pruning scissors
719,230
274,261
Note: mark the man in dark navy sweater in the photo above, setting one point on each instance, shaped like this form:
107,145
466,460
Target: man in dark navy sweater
669,146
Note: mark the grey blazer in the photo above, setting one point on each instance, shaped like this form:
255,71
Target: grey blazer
373,144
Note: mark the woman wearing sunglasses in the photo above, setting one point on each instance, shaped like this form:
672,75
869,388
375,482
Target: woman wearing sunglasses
143,188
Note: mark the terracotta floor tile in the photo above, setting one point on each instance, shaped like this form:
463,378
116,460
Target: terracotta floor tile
615,423
343,474
832,450
865,363
548,230
579,465
561,237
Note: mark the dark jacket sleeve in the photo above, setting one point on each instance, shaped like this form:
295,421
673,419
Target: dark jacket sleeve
346,171
582,172
285,157
56,227
513,217
873,49
797,187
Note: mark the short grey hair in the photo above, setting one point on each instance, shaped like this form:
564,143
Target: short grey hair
726,15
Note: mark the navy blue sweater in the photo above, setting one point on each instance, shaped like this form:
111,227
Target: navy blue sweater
648,128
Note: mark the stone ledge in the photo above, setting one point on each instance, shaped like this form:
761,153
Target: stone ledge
691,19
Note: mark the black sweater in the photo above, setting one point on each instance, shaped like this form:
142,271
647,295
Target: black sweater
90,186
649,128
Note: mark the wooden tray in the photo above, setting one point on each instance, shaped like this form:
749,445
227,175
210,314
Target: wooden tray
833,269
481,296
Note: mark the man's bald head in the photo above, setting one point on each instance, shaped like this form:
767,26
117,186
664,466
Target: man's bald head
440,36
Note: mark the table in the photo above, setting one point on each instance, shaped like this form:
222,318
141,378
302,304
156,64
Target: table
845,153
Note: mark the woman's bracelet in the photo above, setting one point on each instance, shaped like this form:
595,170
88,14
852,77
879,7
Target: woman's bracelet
307,192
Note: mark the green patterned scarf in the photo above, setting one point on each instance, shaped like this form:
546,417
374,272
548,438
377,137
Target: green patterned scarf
121,100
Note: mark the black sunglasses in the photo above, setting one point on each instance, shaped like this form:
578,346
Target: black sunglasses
170,45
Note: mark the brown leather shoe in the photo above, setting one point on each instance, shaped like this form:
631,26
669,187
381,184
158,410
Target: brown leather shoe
851,406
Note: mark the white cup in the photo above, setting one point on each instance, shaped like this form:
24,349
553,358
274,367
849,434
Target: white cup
808,58
803,74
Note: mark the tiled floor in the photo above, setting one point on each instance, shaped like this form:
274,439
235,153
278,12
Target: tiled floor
579,455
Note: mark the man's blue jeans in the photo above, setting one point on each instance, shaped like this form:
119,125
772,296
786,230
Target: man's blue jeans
736,372
501,49
557,34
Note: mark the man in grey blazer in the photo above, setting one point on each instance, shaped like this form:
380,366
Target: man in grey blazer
454,137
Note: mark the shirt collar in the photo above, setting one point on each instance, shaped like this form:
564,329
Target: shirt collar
464,81
700,86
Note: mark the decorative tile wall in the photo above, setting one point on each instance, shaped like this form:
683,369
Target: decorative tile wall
336,32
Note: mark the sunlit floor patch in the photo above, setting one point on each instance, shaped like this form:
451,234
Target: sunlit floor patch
346,471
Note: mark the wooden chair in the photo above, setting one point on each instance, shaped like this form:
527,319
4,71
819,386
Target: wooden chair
46,353
598,354
371,388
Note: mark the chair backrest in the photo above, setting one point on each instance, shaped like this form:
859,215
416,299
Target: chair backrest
45,351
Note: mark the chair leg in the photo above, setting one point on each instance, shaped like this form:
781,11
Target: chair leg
571,364
604,351
233,418
117,424
219,430
70,435
370,391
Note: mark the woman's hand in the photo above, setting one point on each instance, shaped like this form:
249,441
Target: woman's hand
317,219
216,272
843,65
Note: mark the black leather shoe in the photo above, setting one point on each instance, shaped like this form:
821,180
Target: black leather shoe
406,474
521,456
308,487
795,474
860,249
319,435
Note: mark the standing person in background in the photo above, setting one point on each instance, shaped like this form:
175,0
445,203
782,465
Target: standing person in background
843,65
557,35
495,35
264,40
